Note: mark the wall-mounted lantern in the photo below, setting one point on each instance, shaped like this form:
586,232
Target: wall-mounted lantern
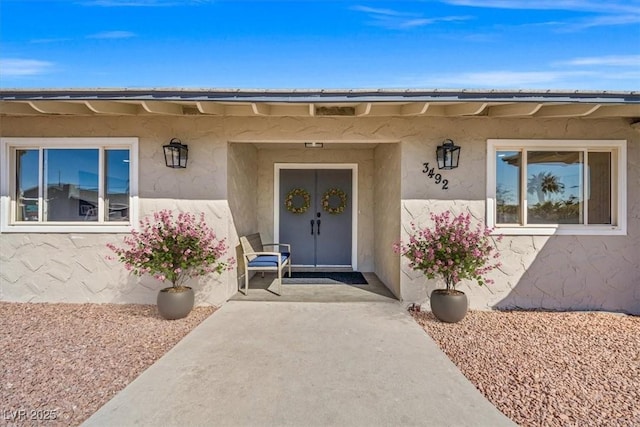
176,154
448,155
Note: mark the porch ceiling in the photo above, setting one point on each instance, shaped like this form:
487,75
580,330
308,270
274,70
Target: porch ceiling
319,103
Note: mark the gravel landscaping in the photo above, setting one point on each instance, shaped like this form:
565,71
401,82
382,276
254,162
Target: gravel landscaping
547,368
62,362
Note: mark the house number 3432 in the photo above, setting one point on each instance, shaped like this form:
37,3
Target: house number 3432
437,178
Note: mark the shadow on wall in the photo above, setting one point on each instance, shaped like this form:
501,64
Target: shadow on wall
138,290
239,267
144,290
578,273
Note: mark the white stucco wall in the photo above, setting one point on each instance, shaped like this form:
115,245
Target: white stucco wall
387,214
549,272
557,272
72,267
242,187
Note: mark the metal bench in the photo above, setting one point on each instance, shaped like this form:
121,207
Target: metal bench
257,259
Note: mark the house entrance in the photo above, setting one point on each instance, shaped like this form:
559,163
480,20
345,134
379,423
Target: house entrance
315,215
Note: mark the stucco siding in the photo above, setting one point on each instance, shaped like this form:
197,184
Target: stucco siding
243,187
72,267
387,214
228,154
548,272
242,183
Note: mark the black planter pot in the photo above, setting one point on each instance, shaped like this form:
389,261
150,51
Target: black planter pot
175,305
448,306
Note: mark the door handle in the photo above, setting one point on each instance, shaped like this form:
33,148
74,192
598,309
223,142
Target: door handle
318,227
312,221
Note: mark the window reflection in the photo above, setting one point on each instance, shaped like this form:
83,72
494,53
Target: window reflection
71,184
560,185
599,196
555,187
89,184
117,185
508,187
27,186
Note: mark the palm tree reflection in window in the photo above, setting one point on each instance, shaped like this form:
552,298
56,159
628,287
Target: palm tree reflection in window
564,211
544,183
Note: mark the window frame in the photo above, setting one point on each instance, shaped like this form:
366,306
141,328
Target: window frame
618,149
8,147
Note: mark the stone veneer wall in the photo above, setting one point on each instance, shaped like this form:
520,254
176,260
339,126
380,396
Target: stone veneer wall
387,214
554,272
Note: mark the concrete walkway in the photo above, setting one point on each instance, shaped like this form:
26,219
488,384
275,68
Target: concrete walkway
302,364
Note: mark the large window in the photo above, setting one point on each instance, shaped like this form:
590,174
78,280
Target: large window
556,187
68,184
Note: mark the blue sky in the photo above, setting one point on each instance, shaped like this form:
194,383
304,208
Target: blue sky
431,44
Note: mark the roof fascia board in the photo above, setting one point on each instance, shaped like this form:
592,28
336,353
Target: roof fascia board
318,96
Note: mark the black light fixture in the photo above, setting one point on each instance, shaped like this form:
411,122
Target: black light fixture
448,155
176,154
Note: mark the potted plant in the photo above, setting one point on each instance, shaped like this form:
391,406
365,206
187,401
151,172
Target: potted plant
173,249
453,250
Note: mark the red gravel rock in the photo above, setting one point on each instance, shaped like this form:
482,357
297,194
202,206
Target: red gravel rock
61,362
551,369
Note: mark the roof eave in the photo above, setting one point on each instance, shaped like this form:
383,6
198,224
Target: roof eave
321,95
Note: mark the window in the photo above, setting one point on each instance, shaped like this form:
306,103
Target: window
556,187
69,184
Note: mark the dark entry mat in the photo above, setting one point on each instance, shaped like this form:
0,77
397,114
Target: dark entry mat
325,277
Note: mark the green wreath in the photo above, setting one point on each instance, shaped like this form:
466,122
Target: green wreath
306,201
326,205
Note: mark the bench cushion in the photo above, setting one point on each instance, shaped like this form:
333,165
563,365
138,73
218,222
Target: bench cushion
268,260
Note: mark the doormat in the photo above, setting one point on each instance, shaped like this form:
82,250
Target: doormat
325,278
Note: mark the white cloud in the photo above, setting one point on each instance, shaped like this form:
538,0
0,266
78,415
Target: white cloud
505,79
376,11
611,6
396,20
112,35
632,76
609,61
596,79
603,21
13,67
605,13
608,72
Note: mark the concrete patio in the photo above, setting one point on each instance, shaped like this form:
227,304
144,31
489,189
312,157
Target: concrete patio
264,288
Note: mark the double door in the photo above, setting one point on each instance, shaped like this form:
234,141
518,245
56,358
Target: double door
315,215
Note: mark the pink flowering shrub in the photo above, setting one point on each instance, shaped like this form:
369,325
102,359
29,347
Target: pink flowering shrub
451,249
173,249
